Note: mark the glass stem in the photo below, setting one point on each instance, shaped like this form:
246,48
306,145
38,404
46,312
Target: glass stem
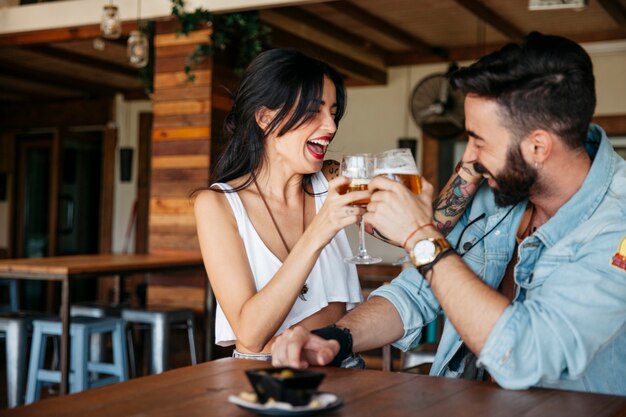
362,250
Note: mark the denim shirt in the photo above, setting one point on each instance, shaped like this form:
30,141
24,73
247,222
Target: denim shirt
566,327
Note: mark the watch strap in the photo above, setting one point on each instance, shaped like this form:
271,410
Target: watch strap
425,268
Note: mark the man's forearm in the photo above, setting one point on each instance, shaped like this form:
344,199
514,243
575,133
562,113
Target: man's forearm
471,305
373,324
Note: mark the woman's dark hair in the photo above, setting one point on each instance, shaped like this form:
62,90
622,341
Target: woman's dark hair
545,82
279,79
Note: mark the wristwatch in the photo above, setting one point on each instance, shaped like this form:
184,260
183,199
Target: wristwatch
427,252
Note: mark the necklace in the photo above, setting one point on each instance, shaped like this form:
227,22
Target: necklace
305,287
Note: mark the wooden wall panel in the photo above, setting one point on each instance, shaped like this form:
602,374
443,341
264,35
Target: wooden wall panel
181,140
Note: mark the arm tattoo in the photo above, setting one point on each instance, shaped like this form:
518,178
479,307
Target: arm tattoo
331,168
451,203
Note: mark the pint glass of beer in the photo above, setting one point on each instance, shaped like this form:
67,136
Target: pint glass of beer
360,169
399,165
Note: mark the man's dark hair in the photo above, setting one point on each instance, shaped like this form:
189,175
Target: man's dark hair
545,82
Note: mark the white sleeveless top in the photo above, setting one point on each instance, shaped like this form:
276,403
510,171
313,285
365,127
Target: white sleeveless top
330,280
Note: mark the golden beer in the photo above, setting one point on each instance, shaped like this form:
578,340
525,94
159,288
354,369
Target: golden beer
357,184
410,179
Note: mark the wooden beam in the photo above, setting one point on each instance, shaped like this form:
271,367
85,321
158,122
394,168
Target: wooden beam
364,73
617,12
487,15
59,113
58,35
614,124
309,26
386,28
463,53
41,75
24,88
472,52
100,64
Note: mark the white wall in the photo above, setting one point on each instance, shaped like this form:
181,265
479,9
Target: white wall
127,122
376,116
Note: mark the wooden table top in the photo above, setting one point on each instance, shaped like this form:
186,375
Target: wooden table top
94,264
202,390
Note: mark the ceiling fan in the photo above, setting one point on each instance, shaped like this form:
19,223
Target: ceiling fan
436,107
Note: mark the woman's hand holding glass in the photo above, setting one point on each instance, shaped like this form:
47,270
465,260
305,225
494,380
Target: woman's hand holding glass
359,168
338,211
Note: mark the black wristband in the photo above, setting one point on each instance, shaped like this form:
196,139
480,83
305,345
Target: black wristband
341,335
424,269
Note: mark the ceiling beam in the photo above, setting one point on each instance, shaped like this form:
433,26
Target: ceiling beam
24,85
310,27
99,64
366,75
473,52
487,15
59,35
88,88
462,53
28,91
382,26
617,12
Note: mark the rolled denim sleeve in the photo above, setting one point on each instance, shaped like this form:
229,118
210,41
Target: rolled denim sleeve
410,294
572,311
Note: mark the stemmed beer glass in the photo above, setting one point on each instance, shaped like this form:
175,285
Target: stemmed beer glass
399,165
360,169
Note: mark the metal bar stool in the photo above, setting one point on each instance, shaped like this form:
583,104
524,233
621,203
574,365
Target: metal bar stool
15,327
81,330
159,321
93,309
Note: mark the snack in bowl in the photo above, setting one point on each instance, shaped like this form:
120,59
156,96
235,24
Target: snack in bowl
289,385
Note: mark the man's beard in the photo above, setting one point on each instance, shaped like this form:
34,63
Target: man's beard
515,181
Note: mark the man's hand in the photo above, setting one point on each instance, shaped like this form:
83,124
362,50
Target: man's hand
395,211
299,348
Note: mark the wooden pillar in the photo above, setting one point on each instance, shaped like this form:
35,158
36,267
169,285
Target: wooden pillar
181,144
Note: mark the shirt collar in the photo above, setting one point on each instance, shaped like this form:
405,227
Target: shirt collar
584,203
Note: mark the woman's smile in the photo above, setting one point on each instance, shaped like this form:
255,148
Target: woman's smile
317,147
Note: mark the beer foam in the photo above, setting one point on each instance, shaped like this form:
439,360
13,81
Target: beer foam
399,171
360,181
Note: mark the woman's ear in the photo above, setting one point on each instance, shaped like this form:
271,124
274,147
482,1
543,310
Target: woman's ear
264,117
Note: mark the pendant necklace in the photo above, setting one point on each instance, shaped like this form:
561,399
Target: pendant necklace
305,287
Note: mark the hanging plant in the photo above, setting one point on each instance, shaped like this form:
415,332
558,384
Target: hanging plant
243,31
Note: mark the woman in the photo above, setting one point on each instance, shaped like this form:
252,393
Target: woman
271,224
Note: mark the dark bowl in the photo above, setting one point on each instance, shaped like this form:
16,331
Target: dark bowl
293,386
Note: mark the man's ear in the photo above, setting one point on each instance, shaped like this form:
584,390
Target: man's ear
539,146
264,117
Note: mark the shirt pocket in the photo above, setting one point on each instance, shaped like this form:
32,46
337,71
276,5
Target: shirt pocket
542,271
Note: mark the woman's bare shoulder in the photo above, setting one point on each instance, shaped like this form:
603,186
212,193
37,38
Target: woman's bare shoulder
330,169
212,200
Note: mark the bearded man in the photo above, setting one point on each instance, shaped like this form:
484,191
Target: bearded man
532,279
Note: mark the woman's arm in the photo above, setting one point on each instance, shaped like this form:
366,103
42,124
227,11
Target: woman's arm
256,316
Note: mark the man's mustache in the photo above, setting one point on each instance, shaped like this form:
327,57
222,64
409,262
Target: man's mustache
478,167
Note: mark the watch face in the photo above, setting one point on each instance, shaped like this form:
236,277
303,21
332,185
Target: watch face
424,251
